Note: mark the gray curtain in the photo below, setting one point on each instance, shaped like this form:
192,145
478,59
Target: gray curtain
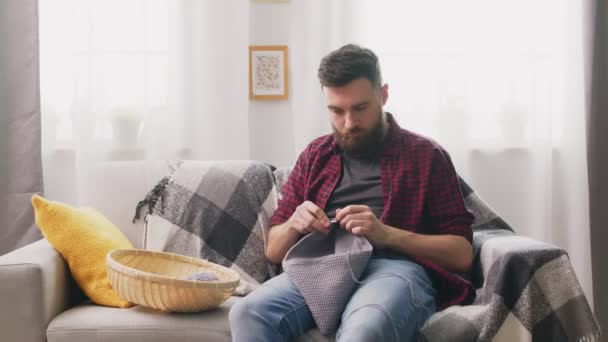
597,158
20,151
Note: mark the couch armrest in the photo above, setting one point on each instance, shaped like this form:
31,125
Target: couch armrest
513,256
35,286
479,270
526,290
535,282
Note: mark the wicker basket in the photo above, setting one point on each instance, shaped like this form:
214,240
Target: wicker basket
158,280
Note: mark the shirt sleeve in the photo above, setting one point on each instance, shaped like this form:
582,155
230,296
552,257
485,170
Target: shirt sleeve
445,202
293,192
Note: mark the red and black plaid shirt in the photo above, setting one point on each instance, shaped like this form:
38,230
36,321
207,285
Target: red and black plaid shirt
420,189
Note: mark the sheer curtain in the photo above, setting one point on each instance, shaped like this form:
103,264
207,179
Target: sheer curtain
140,79
499,84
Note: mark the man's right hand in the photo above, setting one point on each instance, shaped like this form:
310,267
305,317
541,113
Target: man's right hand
308,217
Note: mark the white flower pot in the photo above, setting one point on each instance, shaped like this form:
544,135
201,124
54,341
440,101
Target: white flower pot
125,132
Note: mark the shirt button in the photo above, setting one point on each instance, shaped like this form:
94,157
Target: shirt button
325,195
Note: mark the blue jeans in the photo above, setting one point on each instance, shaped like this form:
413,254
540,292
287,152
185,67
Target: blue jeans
393,301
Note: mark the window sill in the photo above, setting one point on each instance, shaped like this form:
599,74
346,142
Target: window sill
122,153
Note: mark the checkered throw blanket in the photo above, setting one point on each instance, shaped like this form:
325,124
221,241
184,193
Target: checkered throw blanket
529,281
218,211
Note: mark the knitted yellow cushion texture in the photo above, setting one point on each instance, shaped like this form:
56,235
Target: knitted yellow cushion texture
83,236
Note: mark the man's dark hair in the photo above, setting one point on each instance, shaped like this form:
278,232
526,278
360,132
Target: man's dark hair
348,63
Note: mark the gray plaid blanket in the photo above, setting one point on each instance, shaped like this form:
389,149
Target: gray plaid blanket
215,211
527,281
220,211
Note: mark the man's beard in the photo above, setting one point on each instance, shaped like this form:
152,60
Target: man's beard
361,143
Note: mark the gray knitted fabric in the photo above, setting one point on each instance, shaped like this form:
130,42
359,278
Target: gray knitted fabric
326,269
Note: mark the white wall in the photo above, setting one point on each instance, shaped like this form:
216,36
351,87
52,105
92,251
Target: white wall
270,122
214,117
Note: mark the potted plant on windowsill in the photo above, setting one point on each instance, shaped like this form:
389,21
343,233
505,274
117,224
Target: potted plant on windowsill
126,123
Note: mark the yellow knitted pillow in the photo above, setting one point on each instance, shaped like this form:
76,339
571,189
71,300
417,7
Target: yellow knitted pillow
83,236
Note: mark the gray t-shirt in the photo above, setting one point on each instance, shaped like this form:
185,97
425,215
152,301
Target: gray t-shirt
359,183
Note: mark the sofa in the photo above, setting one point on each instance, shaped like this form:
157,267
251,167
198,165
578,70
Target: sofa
41,302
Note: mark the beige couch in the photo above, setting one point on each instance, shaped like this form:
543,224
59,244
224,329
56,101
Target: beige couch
40,301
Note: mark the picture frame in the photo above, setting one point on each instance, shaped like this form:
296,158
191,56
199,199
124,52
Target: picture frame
268,72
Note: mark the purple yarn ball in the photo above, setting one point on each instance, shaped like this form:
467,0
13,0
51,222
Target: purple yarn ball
203,276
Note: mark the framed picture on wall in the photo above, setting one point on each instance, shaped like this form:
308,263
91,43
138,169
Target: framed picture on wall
268,73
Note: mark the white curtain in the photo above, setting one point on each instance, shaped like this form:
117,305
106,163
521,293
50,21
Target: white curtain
316,29
140,79
498,83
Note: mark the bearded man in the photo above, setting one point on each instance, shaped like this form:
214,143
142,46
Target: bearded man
373,179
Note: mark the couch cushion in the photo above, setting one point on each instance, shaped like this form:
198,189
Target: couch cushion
83,237
98,323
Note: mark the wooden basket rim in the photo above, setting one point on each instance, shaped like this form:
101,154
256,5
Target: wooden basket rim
166,280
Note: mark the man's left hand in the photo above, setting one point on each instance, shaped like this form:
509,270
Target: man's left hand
360,220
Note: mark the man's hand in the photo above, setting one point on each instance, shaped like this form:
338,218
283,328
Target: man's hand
308,217
453,252
360,220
